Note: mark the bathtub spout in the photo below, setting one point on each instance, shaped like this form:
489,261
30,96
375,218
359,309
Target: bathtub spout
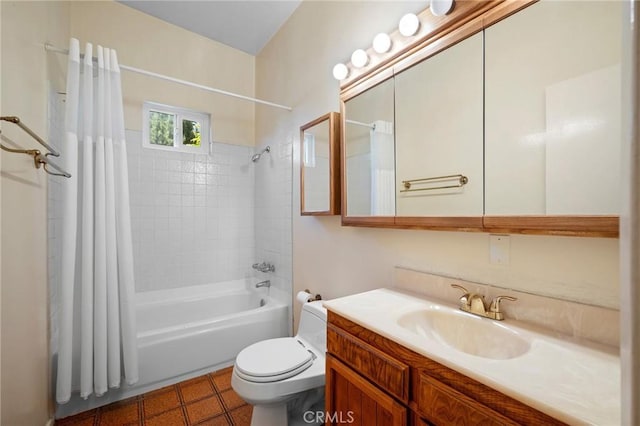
266,283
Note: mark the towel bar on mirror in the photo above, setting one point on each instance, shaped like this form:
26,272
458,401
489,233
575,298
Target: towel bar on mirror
462,181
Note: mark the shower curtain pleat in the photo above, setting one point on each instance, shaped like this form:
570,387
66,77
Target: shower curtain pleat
86,323
69,223
125,242
100,285
113,315
103,285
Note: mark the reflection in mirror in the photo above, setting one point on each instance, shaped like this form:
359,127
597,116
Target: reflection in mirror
319,188
553,97
369,151
439,133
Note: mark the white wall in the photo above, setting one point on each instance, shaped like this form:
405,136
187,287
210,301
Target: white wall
143,41
335,260
27,74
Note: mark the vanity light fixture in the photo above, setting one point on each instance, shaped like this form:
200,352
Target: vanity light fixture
440,7
359,58
409,25
340,71
382,43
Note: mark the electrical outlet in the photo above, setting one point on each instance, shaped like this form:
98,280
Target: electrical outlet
499,247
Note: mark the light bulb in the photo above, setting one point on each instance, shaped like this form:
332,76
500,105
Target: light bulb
409,25
359,58
340,71
382,43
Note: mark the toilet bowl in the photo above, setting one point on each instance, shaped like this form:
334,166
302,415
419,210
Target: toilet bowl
285,372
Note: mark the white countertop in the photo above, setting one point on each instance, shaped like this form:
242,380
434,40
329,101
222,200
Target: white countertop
577,382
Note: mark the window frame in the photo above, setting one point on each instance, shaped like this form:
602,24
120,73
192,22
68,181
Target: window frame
180,114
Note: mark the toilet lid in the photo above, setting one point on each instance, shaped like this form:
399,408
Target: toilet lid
273,359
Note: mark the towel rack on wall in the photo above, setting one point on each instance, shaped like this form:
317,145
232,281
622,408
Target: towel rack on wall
38,157
462,181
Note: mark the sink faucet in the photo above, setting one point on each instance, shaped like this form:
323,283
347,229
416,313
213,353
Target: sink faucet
474,304
266,283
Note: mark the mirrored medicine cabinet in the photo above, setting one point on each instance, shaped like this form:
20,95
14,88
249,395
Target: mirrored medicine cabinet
509,122
320,166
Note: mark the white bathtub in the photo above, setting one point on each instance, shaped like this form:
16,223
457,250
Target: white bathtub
202,328
187,332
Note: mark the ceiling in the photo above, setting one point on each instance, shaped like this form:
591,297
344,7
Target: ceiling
245,25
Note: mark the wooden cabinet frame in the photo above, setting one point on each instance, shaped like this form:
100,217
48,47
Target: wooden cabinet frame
466,19
334,121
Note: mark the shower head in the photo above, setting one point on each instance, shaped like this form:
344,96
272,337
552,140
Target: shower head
257,156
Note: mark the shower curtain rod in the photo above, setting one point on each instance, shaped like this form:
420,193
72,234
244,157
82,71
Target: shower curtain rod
55,49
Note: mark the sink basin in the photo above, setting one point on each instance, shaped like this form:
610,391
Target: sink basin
467,333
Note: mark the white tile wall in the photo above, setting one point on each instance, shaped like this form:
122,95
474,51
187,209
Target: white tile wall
273,181
192,215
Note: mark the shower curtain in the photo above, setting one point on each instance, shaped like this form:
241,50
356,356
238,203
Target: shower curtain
97,330
383,175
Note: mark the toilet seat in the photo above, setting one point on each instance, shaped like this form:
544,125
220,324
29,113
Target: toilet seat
273,360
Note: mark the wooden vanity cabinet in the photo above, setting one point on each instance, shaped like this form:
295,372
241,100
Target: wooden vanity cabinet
372,380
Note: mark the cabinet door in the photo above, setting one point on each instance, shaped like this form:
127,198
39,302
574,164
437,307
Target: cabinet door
552,110
352,399
438,107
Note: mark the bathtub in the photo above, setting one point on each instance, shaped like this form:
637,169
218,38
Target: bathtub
192,330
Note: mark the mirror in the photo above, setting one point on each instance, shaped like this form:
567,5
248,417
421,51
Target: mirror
438,113
320,166
553,118
369,148
510,123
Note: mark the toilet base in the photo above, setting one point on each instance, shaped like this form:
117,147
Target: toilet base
269,415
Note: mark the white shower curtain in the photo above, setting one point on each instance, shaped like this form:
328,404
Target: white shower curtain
383,175
96,300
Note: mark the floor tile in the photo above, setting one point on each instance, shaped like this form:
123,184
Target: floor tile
75,421
204,409
118,415
207,400
160,402
231,399
222,381
169,418
216,421
242,416
196,389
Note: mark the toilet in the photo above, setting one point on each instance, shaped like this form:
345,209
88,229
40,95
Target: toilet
283,378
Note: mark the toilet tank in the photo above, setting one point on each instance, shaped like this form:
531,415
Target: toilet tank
313,325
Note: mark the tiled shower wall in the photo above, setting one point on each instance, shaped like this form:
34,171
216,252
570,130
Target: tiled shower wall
192,215
273,180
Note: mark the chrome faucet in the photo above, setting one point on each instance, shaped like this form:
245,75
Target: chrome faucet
474,304
264,267
266,283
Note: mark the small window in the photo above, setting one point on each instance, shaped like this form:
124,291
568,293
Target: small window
176,129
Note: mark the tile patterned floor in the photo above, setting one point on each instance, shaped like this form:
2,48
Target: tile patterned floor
206,400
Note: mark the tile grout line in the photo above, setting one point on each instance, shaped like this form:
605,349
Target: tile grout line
183,405
227,413
218,393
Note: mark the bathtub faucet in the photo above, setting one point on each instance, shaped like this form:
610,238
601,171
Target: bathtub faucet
264,267
266,283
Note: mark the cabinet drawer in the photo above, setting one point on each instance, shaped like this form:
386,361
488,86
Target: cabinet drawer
382,369
443,405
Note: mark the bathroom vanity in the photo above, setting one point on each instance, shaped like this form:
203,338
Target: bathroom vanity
397,359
